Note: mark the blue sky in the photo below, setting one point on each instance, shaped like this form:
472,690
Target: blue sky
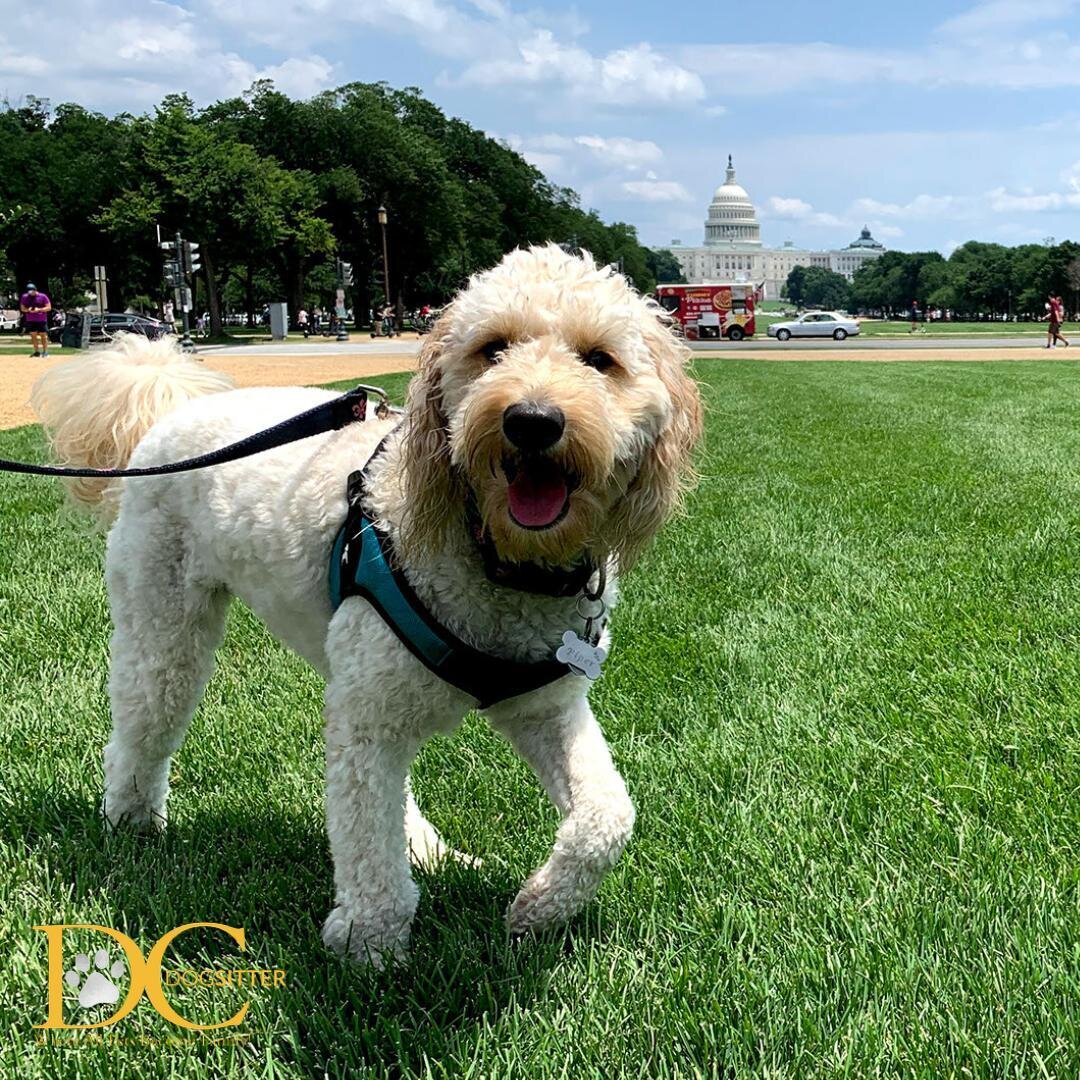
932,123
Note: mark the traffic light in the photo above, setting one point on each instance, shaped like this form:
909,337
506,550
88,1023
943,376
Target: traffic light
191,257
171,272
171,269
346,272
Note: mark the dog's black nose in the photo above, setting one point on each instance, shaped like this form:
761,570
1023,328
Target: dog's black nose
530,426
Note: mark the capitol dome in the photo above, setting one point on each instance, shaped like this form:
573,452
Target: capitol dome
732,219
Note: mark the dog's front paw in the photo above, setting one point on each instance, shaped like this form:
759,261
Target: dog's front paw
546,899
367,941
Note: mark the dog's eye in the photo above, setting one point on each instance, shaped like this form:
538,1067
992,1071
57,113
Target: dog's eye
493,349
598,359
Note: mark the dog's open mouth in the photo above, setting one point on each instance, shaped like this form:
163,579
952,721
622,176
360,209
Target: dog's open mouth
538,492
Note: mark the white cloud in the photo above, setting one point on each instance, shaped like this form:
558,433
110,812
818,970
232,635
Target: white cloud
300,77
996,17
15,61
527,50
592,156
985,46
621,151
131,60
663,191
790,209
494,8
638,76
921,207
1002,201
998,200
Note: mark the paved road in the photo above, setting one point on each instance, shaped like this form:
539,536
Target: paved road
409,347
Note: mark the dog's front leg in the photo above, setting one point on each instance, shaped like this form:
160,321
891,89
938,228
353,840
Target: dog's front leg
374,895
565,747
381,705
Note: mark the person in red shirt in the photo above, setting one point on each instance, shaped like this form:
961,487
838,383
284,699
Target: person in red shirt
35,307
1056,316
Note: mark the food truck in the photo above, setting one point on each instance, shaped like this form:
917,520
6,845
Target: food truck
712,309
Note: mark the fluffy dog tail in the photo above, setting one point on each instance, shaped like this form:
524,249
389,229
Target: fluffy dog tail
97,407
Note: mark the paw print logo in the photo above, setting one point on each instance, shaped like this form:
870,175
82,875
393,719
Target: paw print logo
95,987
579,656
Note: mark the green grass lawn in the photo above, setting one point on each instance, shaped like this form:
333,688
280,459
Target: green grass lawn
902,327
25,350
963,329
845,694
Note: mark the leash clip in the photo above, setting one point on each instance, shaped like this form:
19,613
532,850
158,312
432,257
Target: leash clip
383,410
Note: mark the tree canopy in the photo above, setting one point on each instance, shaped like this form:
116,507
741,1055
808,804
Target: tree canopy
272,189
977,280
815,286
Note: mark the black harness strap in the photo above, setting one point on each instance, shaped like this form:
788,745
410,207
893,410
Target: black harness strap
330,416
362,564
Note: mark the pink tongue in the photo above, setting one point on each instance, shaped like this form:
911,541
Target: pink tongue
537,496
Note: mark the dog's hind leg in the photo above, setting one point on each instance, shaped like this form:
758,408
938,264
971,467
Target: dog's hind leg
167,627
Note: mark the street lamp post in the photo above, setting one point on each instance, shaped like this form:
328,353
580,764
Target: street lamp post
385,260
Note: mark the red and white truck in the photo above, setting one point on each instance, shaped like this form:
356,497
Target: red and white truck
712,309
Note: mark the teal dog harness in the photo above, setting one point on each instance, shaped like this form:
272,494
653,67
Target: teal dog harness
362,564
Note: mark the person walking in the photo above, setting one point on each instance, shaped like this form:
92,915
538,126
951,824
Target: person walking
1056,315
302,321
35,307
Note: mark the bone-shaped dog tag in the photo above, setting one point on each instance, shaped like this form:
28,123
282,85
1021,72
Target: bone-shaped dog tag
581,657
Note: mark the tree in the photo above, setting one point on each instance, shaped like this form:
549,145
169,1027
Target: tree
664,267
1072,275
981,278
240,207
271,188
795,286
823,288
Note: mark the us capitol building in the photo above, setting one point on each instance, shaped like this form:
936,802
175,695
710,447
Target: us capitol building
733,252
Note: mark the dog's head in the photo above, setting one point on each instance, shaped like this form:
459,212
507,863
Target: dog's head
555,397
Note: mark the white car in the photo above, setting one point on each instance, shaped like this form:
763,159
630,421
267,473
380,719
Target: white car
815,324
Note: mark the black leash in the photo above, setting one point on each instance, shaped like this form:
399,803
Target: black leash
350,408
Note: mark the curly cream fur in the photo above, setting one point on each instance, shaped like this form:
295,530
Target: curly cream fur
262,528
630,432
97,407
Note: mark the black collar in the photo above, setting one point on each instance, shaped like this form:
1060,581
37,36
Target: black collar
529,577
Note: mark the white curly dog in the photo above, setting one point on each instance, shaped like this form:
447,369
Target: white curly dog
551,404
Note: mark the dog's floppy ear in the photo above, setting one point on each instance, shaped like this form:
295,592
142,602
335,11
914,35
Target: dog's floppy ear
666,471
433,497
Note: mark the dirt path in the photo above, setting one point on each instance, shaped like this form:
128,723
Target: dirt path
287,370
306,369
